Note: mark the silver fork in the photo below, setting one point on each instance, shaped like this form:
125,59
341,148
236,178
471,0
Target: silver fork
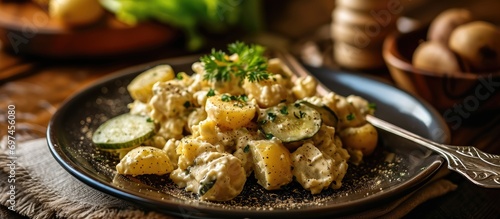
481,168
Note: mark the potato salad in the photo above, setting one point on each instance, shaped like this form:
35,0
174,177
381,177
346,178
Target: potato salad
238,114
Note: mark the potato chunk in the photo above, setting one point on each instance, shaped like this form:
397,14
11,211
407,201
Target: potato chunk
362,138
145,160
272,163
313,169
141,87
229,112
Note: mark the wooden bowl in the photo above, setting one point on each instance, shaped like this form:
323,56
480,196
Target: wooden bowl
26,28
461,94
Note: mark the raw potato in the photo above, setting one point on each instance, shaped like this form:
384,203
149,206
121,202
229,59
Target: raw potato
442,26
76,12
363,138
272,163
435,57
230,114
145,160
478,43
141,87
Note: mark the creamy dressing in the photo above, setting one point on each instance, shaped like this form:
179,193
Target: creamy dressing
214,145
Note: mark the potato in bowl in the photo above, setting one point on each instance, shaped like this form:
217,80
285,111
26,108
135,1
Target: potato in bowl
444,73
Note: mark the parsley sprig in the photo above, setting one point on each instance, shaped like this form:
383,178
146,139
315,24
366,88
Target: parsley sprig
240,98
250,64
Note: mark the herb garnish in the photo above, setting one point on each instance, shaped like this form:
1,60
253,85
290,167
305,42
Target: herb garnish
241,98
211,93
250,64
372,106
271,116
284,110
206,186
226,98
350,117
187,171
179,76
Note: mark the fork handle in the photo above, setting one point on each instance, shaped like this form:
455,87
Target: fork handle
481,168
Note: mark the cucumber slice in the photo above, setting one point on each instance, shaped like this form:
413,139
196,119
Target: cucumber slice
123,131
329,117
290,122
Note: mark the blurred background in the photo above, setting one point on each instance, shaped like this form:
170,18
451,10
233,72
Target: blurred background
125,27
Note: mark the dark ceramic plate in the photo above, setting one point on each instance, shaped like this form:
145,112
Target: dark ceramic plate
396,168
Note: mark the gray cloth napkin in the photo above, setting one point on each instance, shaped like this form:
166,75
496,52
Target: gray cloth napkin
43,189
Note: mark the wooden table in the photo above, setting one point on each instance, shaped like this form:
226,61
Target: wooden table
37,87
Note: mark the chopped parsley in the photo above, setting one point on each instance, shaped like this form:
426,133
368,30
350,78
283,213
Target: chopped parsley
284,110
179,76
250,64
350,117
246,149
187,171
372,106
211,93
269,136
241,98
205,186
226,98
187,104
271,116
